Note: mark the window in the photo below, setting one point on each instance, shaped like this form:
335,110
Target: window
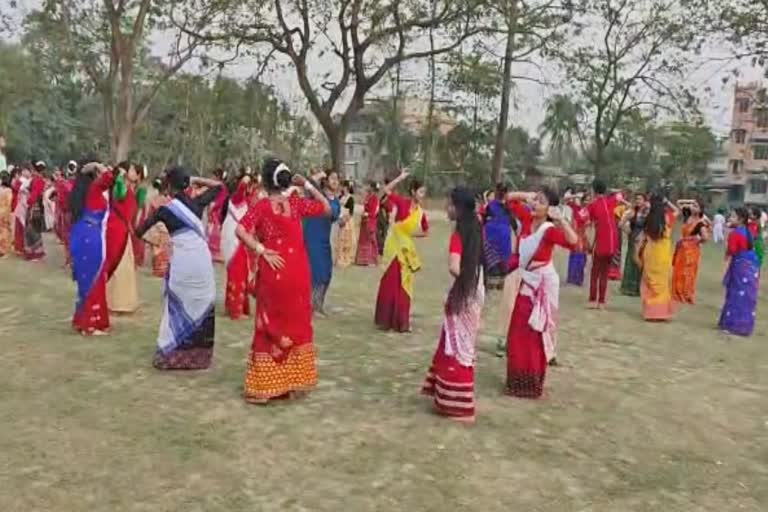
760,152
739,136
758,186
743,104
761,118
761,96
736,166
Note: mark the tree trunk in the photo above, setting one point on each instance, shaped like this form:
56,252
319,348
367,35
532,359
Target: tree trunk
336,141
431,108
122,140
506,91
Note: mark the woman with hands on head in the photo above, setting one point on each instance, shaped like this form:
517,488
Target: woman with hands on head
187,329
282,359
393,303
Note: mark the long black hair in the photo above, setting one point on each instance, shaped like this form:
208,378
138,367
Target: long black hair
471,234
656,220
79,192
414,186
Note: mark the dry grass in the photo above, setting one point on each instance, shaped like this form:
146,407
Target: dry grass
639,417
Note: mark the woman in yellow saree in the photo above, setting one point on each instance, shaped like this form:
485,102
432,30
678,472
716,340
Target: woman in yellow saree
654,256
393,304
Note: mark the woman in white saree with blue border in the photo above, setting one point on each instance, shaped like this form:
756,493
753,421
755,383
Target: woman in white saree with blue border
186,337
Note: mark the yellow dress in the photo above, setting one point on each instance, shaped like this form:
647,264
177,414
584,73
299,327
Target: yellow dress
656,282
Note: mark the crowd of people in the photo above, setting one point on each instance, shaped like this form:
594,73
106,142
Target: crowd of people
280,234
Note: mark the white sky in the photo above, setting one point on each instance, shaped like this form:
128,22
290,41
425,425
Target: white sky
528,97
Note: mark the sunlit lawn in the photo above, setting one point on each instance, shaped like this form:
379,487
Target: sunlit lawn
638,417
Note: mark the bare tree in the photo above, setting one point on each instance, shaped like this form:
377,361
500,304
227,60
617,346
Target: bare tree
106,41
339,50
633,57
527,29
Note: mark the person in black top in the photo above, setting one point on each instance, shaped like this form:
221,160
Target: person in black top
178,181
185,340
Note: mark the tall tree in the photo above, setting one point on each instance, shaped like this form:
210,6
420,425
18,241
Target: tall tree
339,50
560,126
527,29
106,41
686,150
633,57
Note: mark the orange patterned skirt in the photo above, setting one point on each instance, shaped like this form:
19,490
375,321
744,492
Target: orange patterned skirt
266,379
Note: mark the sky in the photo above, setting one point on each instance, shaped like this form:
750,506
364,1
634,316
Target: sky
528,97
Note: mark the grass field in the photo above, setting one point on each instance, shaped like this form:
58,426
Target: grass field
639,417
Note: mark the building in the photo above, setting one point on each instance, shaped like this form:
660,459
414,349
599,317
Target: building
747,168
364,156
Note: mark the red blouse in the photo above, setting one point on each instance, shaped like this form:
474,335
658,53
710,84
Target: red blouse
455,246
602,213
240,194
554,236
737,243
523,215
270,227
754,228
94,198
404,205
36,189
371,209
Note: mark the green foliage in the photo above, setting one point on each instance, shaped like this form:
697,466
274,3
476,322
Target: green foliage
686,151
560,126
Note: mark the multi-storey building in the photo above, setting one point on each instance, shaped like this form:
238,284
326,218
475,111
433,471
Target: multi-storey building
747,172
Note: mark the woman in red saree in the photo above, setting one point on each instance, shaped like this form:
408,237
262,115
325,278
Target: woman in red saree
90,208
122,288
64,188
19,176
451,377
215,214
393,303
367,245
532,336
282,359
694,232
237,258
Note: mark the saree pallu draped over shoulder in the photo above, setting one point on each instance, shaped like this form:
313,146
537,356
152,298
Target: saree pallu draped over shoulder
686,266
450,380
532,336
741,284
88,249
393,303
187,329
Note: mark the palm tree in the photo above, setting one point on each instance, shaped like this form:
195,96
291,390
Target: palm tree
561,123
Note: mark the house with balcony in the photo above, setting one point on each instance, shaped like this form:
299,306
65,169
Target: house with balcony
747,171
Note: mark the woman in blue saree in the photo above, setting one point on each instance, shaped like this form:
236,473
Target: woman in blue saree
317,239
88,246
741,278
498,239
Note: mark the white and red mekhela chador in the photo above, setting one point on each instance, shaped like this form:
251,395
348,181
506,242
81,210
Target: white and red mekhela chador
238,259
451,378
532,335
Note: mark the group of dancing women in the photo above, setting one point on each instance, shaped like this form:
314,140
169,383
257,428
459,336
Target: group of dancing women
280,235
